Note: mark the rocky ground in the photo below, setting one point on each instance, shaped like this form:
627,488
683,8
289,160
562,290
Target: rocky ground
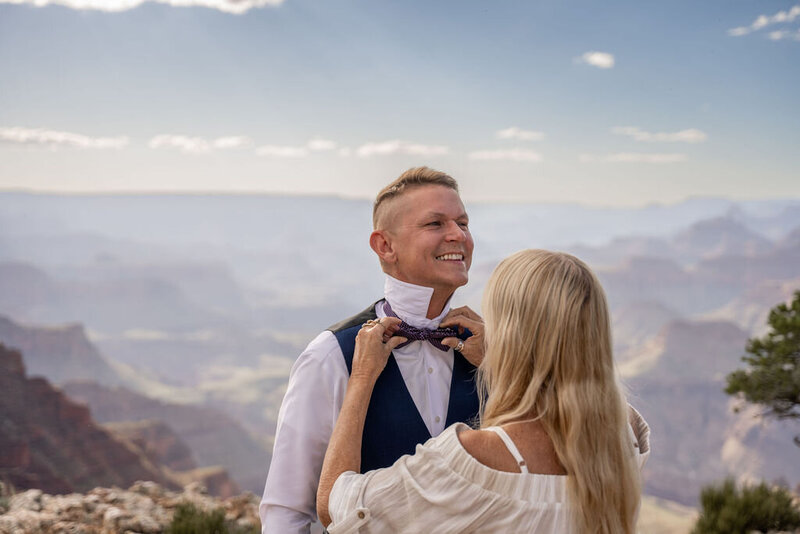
145,508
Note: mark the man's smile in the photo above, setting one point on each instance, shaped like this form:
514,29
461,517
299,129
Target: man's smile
451,257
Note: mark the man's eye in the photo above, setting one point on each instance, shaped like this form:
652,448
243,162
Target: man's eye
434,223
463,225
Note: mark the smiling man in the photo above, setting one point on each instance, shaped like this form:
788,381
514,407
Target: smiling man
422,239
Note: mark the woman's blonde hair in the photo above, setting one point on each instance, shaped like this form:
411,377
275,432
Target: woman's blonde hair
548,358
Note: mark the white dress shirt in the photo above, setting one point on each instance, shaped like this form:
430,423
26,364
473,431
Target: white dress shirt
314,397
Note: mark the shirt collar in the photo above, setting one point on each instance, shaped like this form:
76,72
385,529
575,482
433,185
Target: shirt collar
410,302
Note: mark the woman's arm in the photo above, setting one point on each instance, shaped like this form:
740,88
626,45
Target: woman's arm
374,344
344,448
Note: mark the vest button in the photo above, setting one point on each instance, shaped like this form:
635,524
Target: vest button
361,515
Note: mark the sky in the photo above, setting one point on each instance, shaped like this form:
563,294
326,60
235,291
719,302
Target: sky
598,103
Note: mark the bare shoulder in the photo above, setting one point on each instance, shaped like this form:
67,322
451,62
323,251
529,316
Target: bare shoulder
531,440
487,447
471,440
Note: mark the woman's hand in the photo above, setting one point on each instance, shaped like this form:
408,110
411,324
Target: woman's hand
374,344
473,347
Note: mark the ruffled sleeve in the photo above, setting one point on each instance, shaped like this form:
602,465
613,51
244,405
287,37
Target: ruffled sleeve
345,503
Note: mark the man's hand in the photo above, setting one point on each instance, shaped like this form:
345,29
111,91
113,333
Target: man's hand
374,344
473,347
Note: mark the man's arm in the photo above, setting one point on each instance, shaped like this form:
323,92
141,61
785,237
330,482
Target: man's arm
313,398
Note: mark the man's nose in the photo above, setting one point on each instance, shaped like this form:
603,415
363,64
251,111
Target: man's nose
455,232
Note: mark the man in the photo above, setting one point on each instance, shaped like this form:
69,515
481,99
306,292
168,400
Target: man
422,239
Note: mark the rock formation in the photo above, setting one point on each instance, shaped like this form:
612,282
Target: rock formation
58,353
48,441
213,437
157,441
145,508
695,435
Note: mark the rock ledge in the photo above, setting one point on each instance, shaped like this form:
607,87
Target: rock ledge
145,508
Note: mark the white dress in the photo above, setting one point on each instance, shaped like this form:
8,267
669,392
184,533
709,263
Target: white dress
443,489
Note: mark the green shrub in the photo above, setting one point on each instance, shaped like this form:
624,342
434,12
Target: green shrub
6,492
726,509
188,519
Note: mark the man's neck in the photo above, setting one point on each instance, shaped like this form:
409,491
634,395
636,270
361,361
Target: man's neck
437,303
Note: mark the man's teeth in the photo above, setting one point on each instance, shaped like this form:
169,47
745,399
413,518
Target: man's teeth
450,257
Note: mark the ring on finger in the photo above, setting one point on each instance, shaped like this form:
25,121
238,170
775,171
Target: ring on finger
460,346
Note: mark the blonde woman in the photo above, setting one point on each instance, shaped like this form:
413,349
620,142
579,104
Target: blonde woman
558,449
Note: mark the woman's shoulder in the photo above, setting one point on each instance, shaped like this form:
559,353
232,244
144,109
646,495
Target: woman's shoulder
467,436
448,448
488,448
476,442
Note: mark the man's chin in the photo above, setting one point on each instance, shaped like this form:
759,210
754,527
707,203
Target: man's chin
455,283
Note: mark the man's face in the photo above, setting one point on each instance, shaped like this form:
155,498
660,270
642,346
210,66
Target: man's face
430,236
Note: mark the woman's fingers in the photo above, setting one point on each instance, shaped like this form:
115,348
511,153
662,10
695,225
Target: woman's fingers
390,329
464,322
380,327
453,343
374,343
471,348
395,341
466,311
390,322
463,317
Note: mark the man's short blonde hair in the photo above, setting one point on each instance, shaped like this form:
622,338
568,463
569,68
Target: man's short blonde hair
414,177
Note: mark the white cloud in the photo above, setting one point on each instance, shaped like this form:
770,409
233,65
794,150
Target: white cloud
345,152
181,142
235,7
55,138
601,60
282,151
784,34
691,135
633,157
198,145
424,150
386,148
318,144
762,21
514,154
519,134
237,141
381,149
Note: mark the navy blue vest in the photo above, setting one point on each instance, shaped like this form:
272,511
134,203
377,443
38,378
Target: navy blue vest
393,426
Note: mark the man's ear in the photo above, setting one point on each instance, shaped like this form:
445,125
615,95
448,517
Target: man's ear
381,243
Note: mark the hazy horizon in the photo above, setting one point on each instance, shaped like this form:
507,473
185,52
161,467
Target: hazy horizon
365,197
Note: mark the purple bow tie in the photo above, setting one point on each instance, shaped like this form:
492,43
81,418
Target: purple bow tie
412,333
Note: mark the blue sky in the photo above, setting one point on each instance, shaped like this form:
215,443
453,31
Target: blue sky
623,103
